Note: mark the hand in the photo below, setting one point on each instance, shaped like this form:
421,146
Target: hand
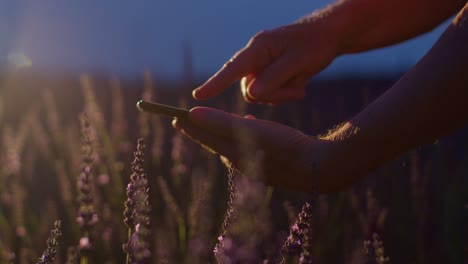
286,153
276,65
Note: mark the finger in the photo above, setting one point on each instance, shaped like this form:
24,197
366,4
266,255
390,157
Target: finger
295,89
237,129
252,58
241,130
230,152
233,150
287,95
218,122
246,82
244,62
275,76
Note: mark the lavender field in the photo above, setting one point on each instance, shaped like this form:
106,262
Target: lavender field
126,188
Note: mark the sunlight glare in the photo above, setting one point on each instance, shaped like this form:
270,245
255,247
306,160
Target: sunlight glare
19,60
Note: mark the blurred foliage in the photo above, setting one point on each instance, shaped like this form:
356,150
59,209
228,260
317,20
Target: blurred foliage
417,203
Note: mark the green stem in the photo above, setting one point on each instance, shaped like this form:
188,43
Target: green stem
83,260
84,257
127,258
182,236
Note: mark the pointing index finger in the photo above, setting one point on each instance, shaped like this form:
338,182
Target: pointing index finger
246,61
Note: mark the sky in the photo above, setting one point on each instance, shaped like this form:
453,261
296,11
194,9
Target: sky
126,37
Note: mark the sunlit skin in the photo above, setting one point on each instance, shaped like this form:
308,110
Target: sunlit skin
425,104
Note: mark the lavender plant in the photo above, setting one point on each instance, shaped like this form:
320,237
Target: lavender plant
229,217
49,254
87,216
375,250
137,211
299,241
40,151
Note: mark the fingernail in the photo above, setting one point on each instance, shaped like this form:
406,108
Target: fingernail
255,91
179,124
194,93
198,112
175,123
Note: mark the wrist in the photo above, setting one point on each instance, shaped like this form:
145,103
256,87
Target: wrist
344,22
328,22
340,159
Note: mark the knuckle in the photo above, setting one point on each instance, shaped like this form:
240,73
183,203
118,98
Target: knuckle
231,61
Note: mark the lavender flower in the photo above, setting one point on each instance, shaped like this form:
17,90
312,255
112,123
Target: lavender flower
232,196
377,254
87,217
52,243
299,240
129,205
137,246
306,255
219,247
137,211
138,182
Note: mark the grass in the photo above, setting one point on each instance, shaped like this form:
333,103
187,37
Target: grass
127,189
